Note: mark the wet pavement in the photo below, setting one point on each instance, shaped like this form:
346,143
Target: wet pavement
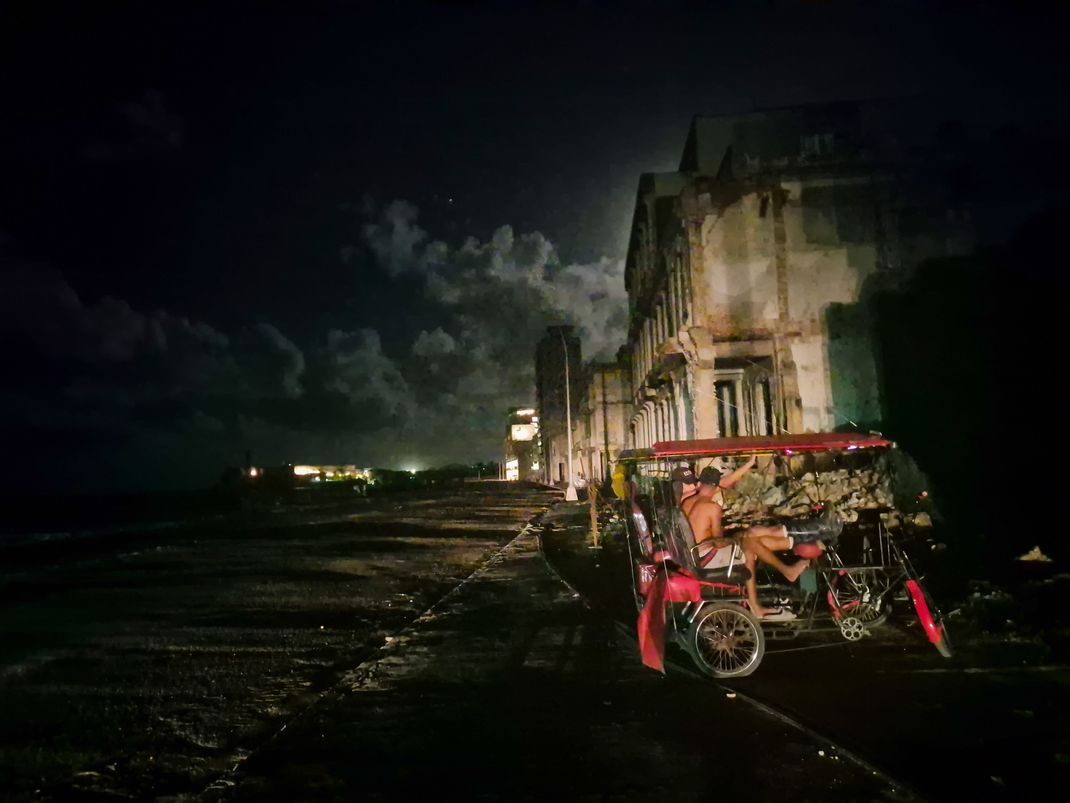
988,724
436,644
148,665
512,689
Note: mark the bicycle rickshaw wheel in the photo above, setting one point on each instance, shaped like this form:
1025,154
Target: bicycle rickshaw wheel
851,604
932,622
726,640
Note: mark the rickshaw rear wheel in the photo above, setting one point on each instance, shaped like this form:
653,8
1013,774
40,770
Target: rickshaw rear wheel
850,602
726,640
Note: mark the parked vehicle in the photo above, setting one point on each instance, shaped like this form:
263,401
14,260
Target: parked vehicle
853,584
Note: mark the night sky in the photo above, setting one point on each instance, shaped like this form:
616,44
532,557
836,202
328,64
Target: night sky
334,234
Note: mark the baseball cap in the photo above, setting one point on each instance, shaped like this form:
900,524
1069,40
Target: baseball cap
710,476
685,475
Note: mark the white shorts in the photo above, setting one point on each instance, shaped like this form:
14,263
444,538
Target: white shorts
723,557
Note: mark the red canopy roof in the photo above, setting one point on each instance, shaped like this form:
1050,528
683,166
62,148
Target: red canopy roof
778,444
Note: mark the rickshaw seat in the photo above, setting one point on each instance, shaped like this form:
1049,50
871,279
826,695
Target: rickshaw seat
740,574
646,507
681,543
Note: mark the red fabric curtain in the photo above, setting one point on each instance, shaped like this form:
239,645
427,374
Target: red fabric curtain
668,587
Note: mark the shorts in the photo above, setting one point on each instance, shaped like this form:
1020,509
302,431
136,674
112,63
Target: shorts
707,551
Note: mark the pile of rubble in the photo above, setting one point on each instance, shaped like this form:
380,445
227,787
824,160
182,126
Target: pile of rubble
762,495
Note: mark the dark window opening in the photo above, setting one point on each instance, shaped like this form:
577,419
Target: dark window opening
765,396
727,409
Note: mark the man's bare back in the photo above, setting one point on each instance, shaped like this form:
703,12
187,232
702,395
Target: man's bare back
704,515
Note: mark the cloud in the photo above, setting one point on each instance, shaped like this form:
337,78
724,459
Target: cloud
434,344
102,384
395,238
505,280
358,369
494,300
145,355
105,395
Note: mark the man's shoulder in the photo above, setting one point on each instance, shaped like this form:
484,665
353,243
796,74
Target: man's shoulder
707,502
692,508
707,506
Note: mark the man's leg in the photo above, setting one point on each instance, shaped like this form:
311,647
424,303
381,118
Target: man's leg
752,586
763,540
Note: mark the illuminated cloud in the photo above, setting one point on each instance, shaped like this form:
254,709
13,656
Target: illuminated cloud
509,281
120,396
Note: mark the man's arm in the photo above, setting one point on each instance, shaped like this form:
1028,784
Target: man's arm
738,474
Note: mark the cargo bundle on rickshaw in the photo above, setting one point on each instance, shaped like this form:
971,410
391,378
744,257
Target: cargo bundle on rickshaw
834,490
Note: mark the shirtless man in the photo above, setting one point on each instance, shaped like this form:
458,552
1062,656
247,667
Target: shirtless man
704,508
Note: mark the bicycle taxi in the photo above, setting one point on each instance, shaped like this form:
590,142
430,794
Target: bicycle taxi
858,577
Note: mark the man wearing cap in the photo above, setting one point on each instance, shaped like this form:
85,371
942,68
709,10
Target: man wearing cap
704,508
684,483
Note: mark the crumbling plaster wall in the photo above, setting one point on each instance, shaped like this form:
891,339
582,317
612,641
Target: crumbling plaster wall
740,282
823,275
557,462
812,375
605,419
740,279
823,269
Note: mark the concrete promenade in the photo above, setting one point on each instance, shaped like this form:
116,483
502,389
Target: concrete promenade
510,688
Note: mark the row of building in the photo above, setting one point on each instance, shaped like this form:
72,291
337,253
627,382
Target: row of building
751,273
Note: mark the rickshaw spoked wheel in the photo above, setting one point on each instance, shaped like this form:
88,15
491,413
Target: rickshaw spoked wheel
849,602
726,640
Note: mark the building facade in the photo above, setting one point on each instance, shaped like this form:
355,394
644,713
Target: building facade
750,272
551,392
605,415
523,449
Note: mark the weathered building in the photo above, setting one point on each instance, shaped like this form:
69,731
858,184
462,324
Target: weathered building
607,407
551,392
523,450
749,270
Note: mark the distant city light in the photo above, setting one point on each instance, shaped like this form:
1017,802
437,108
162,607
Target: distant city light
527,411
305,471
523,432
254,472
